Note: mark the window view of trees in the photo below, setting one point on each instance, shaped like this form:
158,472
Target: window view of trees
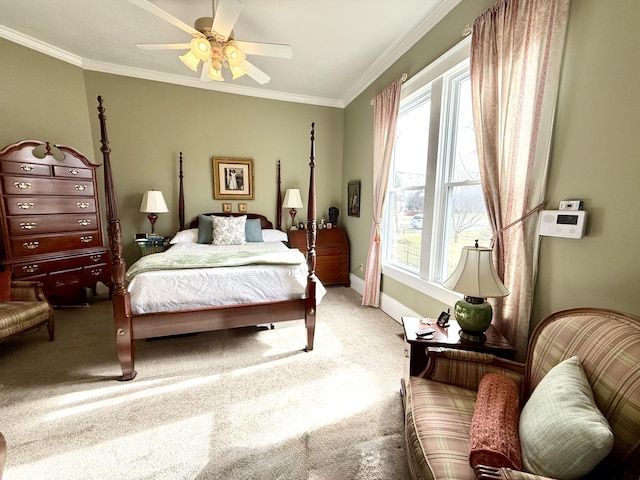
434,203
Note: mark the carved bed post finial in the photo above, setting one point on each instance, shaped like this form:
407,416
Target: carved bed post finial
278,199
181,197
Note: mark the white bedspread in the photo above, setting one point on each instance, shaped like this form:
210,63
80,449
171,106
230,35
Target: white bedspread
172,290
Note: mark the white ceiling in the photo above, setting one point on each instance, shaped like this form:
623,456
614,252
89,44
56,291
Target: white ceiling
339,46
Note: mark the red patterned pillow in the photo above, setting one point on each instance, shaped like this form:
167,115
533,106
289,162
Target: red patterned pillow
494,439
5,286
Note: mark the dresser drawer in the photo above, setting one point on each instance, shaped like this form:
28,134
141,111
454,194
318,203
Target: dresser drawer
34,268
46,186
66,279
326,251
71,172
24,168
37,224
42,205
41,244
96,273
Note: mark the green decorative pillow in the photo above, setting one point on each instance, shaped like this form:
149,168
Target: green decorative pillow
253,230
205,229
493,439
229,230
562,433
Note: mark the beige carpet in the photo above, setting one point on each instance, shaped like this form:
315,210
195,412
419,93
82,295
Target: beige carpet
236,404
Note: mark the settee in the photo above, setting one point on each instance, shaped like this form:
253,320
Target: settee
25,308
444,420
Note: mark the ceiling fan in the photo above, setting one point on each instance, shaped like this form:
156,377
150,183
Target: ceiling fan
213,43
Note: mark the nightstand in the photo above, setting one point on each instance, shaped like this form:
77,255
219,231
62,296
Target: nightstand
416,358
332,253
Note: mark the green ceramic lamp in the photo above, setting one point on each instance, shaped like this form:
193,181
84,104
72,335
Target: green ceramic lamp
476,278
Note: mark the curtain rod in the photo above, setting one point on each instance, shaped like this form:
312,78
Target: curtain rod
403,78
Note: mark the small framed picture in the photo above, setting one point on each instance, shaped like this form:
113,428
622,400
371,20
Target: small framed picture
353,194
232,178
226,208
242,207
329,226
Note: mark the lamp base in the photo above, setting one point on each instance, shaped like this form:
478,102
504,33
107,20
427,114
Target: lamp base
474,315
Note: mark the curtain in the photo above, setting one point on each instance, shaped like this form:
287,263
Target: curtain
516,54
385,119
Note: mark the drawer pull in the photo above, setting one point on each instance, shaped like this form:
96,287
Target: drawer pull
82,204
26,168
84,222
81,188
73,171
28,225
95,258
31,245
96,272
86,239
25,205
30,268
22,185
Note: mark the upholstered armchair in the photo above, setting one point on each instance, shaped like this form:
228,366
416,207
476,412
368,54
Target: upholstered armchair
24,309
442,405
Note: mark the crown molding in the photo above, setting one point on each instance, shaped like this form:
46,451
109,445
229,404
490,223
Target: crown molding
402,46
103,67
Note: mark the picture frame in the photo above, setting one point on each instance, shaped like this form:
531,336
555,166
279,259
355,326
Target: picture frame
242,207
233,178
226,208
353,195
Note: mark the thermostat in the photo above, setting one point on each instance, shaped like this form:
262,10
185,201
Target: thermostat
562,223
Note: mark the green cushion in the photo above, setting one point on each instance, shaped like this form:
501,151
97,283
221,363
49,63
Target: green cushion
253,230
205,229
562,432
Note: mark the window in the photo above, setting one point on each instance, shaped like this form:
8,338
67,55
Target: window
434,201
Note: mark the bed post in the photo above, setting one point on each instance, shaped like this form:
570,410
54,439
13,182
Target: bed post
181,197
121,299
278,199
310,307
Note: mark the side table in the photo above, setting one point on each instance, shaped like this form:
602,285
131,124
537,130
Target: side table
415,348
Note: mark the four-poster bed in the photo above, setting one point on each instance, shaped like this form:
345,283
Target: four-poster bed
130,326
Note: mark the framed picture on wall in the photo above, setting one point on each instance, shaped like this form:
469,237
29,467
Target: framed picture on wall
226,208
232,178
242,207
353,194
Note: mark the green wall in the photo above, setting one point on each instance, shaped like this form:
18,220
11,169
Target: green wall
594,158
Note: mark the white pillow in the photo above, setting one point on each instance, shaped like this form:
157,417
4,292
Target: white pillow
229,230
269,235
185,236
562,432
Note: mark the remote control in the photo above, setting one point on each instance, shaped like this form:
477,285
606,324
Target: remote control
425,332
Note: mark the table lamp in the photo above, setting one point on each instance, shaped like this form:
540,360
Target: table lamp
476,278
153,203
292,200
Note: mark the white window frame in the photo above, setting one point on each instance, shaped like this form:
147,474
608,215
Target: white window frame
413,87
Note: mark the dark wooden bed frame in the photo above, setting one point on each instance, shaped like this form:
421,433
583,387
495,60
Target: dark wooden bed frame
130,327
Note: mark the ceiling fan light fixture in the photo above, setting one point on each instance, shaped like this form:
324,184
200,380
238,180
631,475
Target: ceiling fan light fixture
190,60
201,48
215,74
234,55
237,71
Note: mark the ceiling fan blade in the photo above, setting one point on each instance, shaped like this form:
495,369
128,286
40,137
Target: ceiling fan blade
205,71
226,16
163,46
158,12
255,73
265,49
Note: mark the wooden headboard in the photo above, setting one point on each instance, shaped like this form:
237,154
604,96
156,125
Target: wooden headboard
264,222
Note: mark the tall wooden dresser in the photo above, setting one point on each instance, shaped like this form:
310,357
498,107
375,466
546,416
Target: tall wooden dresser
332,254
51,228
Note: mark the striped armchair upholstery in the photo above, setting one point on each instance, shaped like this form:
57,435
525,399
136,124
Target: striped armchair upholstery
439,405
28,309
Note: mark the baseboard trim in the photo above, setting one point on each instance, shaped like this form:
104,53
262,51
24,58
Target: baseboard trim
388,305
